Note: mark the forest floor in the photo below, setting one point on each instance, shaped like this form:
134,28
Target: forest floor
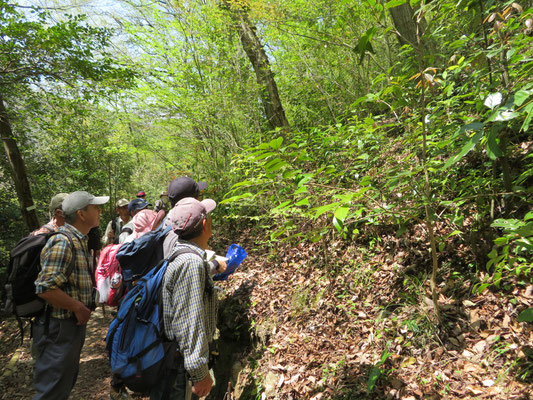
361,329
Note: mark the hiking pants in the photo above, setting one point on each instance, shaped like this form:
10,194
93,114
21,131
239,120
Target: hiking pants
57,351
174,386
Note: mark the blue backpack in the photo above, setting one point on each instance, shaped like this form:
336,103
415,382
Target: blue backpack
139,352
136,258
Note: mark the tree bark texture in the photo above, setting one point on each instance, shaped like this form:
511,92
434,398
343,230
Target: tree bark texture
404,20
265,77
18,171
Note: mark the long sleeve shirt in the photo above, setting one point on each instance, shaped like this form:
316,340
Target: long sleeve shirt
190,307
56,257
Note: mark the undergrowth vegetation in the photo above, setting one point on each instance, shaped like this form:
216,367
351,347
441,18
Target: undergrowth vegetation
454,136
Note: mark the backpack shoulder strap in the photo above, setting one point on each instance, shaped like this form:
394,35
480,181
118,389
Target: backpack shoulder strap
208,285
126,229
180,252
70,267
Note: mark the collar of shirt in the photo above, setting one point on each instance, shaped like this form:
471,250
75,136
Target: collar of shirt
52,223
74,230
201,252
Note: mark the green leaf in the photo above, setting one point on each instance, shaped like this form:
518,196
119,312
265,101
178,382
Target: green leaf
345,197
277,166
281,205
338,224
521,96
305,178
364,44
456,232
301,189
375,373
466,148
365,181
526,315
261,155
511,223
493,150
276,143
290,173
243,183
394,3
341,213
473,126
303,202
529,110
236,198
502,114
272,162
324,209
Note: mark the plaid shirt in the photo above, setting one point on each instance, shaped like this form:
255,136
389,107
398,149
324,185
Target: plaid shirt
55,260
189,310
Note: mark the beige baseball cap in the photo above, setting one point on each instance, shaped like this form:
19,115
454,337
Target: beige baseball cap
122,203
56,202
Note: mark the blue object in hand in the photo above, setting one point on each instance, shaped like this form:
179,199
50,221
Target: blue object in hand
235,255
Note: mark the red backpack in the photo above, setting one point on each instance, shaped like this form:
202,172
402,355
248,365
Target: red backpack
108,276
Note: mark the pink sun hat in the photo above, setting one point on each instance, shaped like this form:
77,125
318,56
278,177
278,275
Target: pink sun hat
145,221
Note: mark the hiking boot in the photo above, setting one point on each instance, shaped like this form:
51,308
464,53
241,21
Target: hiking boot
119,393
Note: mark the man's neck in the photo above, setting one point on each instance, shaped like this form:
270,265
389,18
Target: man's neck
84,229
200,241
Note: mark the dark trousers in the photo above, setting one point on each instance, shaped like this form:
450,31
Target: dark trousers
57,357
173,386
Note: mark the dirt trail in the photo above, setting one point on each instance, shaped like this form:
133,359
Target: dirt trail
17,366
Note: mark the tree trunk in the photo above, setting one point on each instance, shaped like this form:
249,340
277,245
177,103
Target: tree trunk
18,170
265,77
404,20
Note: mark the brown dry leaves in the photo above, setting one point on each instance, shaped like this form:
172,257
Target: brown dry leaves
321,335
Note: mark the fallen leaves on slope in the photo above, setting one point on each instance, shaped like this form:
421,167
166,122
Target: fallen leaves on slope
321,335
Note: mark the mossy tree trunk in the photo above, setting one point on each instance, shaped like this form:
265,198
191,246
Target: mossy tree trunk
18,171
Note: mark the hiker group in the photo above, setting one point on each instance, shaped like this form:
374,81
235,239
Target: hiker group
154,265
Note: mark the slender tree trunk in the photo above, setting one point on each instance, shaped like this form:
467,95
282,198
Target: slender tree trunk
405,22
18,170
429,209
264,75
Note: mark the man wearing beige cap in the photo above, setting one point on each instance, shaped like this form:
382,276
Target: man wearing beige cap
55,214
189,302
66,284
161,204
114,227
